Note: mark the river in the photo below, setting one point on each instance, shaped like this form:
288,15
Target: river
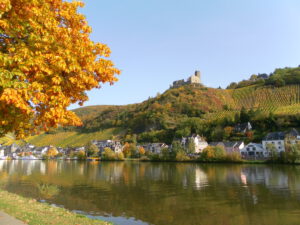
139,193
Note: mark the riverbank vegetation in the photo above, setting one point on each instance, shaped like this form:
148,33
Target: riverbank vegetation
35,213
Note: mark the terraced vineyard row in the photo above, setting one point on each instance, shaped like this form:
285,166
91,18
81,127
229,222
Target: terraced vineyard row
288,110
267,98
209,117
283,100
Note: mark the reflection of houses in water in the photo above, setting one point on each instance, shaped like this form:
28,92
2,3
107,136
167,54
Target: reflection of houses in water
200,179
1,165
244,178
43,168
264,175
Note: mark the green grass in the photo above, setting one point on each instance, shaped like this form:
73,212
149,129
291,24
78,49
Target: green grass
35,213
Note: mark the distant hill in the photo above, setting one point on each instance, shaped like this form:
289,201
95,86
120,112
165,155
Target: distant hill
187,109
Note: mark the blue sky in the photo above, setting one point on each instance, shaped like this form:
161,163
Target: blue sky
155,42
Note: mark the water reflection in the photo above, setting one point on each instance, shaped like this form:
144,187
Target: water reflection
162,193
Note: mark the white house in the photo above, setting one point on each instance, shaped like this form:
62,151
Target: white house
276,139
198,141
254,150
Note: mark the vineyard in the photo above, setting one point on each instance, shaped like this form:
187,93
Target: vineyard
268,99
281,101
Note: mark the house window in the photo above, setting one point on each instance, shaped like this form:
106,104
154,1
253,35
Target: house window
273,142
279,142
254,149
248,149
279,147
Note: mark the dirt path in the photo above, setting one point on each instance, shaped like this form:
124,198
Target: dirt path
6,219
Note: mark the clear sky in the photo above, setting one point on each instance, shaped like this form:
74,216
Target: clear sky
155,42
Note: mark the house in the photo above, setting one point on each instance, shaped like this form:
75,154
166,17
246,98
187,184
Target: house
116,146
242,127
198,141
230,147
275,139
292,136
278,139
155,148
254,150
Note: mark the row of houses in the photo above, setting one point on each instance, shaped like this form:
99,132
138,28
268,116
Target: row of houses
275,141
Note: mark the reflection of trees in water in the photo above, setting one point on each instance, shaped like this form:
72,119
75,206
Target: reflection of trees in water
3,179
168,193
47,191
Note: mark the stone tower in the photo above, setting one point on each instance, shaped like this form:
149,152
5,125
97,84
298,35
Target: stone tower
198,74
195,79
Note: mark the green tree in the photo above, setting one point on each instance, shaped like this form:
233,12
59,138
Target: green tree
176,147
273,153
91,149
108,154
190,147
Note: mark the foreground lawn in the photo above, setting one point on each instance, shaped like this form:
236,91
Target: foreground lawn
35,213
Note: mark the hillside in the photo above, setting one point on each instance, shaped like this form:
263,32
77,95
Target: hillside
185,110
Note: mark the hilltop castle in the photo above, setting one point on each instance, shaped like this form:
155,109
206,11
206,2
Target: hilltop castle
194,79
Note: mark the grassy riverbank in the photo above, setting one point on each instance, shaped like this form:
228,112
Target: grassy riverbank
35,213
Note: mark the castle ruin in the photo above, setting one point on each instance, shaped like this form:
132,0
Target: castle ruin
194,79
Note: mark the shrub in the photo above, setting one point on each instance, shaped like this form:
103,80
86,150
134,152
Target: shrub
120,156
233,157
109,154
181,156
81,155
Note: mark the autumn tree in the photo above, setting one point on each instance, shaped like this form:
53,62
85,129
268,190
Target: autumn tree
81,155
142,151
52,152
126,150
47,62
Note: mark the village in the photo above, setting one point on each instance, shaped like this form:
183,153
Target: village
193,145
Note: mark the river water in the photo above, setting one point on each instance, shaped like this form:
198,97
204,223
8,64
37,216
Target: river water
138,193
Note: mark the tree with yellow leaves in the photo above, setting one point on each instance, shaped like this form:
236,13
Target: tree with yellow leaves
142,151
47,62
52,152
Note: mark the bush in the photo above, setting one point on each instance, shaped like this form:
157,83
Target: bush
81,155
120,156
109,154
233,157
181,156
144,158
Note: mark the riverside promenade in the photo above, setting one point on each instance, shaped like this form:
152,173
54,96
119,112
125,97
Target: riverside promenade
6,219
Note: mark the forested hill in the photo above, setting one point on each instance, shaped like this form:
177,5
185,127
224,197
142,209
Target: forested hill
190,109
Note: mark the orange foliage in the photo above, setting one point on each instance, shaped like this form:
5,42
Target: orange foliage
142,151
126,149
52,151
47,62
